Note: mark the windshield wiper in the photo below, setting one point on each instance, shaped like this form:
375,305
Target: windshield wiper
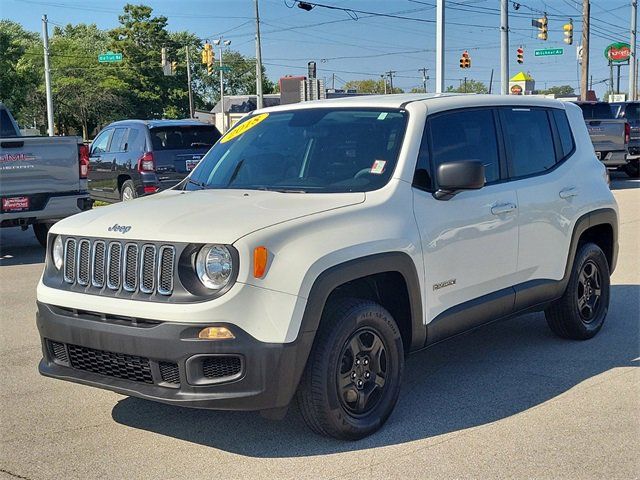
200,144
197,184
280,190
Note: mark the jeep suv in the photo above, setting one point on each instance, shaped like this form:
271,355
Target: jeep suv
318,244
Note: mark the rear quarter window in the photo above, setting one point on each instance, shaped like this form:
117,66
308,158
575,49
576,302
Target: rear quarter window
564,132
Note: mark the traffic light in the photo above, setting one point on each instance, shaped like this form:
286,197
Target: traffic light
542,27
208,57
174,65
520,52
465,60
568,32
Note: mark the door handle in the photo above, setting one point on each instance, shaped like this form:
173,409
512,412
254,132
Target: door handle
502,208
568,192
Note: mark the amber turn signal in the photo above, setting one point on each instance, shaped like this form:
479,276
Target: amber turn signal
260,257
216,333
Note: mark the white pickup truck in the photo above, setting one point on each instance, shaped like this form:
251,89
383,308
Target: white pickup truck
317,244
42,179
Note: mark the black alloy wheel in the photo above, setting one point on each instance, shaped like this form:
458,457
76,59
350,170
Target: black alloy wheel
362,372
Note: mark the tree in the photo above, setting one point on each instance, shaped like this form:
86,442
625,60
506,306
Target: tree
559,90
370,86
417,90
470,86
17,83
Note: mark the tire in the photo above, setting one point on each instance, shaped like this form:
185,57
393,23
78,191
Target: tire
127,191
580,313
41,230
360,404
632,169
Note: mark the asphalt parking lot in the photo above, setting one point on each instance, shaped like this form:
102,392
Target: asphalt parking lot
507,401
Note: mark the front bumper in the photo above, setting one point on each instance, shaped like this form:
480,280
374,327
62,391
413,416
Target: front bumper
268,376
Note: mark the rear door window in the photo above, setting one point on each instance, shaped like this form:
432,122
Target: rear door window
528,141
135,141
118,140
184,137
466,135
632,112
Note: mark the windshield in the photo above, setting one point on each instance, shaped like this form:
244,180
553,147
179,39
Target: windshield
601,111
183,137
317,150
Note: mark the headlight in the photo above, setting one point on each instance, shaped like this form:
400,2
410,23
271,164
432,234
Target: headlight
214,266
57,254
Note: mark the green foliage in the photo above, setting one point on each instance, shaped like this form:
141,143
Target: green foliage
87,94
559,90
16,82
370,86
470,86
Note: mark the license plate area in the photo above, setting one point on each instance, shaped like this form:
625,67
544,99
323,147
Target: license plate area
15,204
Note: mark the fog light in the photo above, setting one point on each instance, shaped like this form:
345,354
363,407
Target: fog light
216,333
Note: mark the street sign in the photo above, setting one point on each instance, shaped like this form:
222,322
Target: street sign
547,52
618,52
110,57
224,68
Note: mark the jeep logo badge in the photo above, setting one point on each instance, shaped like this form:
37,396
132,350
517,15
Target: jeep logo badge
120,228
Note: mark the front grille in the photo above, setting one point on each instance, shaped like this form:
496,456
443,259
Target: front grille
69,260
222,366
114,262
97,264
126,268
119,365
130,280
165,272
169,372
84,248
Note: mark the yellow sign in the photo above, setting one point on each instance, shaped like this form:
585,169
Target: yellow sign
243,127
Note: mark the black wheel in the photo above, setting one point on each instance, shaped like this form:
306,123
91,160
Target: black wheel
127,191
632,169
580,313
41,230
352,378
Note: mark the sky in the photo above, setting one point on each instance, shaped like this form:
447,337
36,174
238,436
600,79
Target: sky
356,46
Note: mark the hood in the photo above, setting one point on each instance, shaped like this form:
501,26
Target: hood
201,216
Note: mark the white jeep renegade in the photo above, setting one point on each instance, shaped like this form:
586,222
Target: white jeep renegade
317,244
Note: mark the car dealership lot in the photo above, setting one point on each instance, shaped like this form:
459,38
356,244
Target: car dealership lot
508,400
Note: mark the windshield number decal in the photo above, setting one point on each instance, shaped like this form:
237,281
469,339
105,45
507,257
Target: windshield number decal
378,167
243,127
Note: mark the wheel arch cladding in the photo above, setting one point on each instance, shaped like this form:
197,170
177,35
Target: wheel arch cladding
384,278
599,227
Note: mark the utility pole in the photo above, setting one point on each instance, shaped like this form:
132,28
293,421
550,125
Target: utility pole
47,75
186,51
390,73
634,61
259,98
384,80
424,71
440,46
222,43
584,77
504,47
333,81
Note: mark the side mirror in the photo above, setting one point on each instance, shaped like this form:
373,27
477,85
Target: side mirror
453,177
